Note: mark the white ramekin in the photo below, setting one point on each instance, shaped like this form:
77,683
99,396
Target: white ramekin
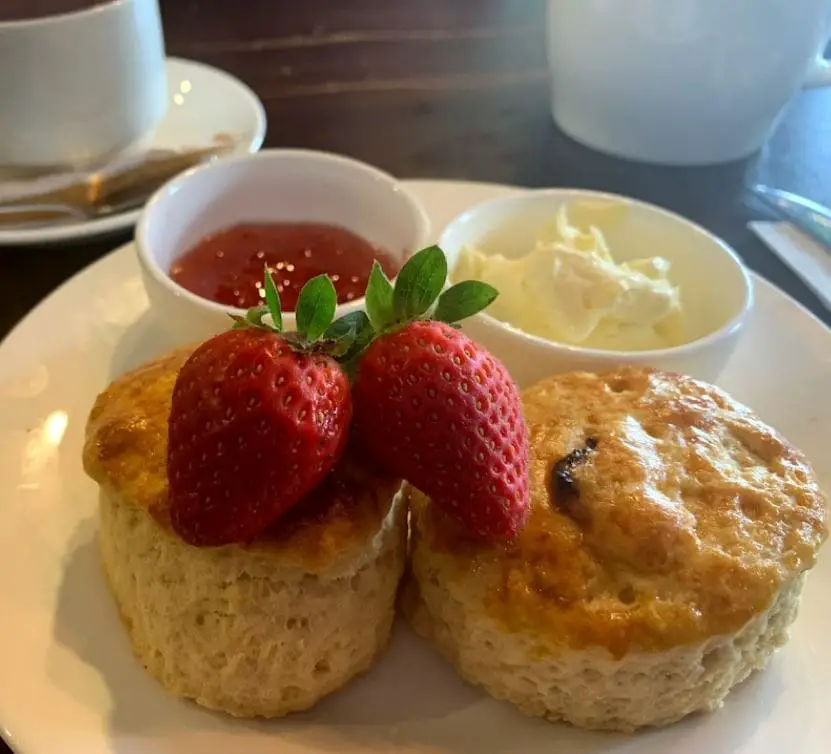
270,186
717,291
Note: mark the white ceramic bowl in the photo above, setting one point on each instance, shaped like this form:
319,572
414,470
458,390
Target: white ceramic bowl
716,289
270,186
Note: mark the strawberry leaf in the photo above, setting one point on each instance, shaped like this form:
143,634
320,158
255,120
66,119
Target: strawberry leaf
419,283
316,307
356,322
272,299
464,300
254,316
363,333
240,323
378,301
355,330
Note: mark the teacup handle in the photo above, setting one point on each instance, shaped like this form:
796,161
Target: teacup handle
820,74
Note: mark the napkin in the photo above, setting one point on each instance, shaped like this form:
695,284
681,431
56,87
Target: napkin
807,258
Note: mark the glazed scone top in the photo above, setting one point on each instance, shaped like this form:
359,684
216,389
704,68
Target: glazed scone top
126,453
683,515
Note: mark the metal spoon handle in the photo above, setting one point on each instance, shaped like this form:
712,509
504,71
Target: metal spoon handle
810,217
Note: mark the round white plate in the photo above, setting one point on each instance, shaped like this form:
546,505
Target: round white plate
71,686
204,102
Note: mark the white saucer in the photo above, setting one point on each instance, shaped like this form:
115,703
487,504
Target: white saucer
204,102
71,685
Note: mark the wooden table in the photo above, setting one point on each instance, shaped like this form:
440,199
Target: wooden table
437,88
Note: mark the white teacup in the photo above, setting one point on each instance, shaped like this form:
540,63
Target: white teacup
78,87
681,82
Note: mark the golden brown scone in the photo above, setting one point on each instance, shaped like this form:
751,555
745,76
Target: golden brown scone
662,563
257,630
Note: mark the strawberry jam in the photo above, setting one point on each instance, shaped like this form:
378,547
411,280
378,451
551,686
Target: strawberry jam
227,267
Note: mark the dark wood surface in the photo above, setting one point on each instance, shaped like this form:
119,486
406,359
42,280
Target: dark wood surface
445,89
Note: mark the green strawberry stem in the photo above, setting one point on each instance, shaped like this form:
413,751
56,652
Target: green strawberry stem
418,293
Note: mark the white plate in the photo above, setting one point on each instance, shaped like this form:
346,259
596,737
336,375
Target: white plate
70,685
204,102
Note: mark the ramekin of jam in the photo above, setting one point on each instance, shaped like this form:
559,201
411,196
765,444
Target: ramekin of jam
205,237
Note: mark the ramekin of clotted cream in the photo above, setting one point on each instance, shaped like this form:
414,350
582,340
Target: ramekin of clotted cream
569,288
589,280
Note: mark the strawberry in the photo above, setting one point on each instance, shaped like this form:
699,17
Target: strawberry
259,417
441,412
257,420
436,408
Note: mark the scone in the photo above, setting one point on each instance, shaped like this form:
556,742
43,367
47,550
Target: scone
669,537
257,630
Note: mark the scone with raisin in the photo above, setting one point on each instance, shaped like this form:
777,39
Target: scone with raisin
670,534
260,629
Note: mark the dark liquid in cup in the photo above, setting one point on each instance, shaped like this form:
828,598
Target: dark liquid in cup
21,10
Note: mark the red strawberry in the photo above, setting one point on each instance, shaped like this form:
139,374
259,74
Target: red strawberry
259,418
256,422
441,412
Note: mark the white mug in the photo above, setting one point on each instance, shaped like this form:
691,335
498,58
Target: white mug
681,82
78,87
